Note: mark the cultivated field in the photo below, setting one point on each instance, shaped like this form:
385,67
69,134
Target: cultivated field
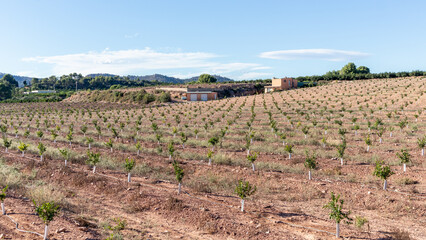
383,116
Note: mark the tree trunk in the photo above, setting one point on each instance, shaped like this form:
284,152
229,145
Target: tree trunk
380,140
338,230
341,161
289,156
253,167
404,167
210,161
46,231
65,162
423,151
111,149
368,148
41,158
129,177
310,175
94,169
242,205
2,208
385,184
23,153
138,152
6,150
248,152
179,188
390,134
89,146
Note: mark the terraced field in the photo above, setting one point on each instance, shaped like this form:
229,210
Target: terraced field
371,121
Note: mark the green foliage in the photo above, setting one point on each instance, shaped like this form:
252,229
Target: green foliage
336,213
93,158
23,147
178,171
213,141
252,157
3,193
46,211
421,142
310,162
41,149
404,156
109,143
7,143
129,164
382,171
244,189
341,149
65,153
206,78
367,140
171,148
288,148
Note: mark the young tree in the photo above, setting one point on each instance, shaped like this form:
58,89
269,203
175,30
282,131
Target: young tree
89,141
128,166
341,151
367,141
54,135
174,130
382,172
46,211
404,156
84,130
283,136
41,150
421,142
7,144
109,144
2,197
40,134
209,156
305,130
336,212
252,158
23,147
289,149
243,190
213,141
183,139
171,149
138,147
93,159
65,154
69,137
380,132
310,163
179,174
196,131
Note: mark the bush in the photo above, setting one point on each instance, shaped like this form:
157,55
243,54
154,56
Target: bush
164,97
148,98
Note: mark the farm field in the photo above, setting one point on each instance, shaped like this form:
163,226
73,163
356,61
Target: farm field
370,121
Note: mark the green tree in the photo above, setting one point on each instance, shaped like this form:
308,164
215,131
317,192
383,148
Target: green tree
41,150
310,163
252,158
128,166
336,213
363,70
383,172
93,159
65,154
7,78
2,197
46,211
348,69
206,78
404,156
179,174
243,190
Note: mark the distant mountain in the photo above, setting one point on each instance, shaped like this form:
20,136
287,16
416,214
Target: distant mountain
219,79
20,79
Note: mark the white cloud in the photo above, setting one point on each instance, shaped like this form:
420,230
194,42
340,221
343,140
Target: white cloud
321,54
132,61
254,75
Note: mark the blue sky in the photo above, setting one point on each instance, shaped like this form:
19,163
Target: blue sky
237,39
